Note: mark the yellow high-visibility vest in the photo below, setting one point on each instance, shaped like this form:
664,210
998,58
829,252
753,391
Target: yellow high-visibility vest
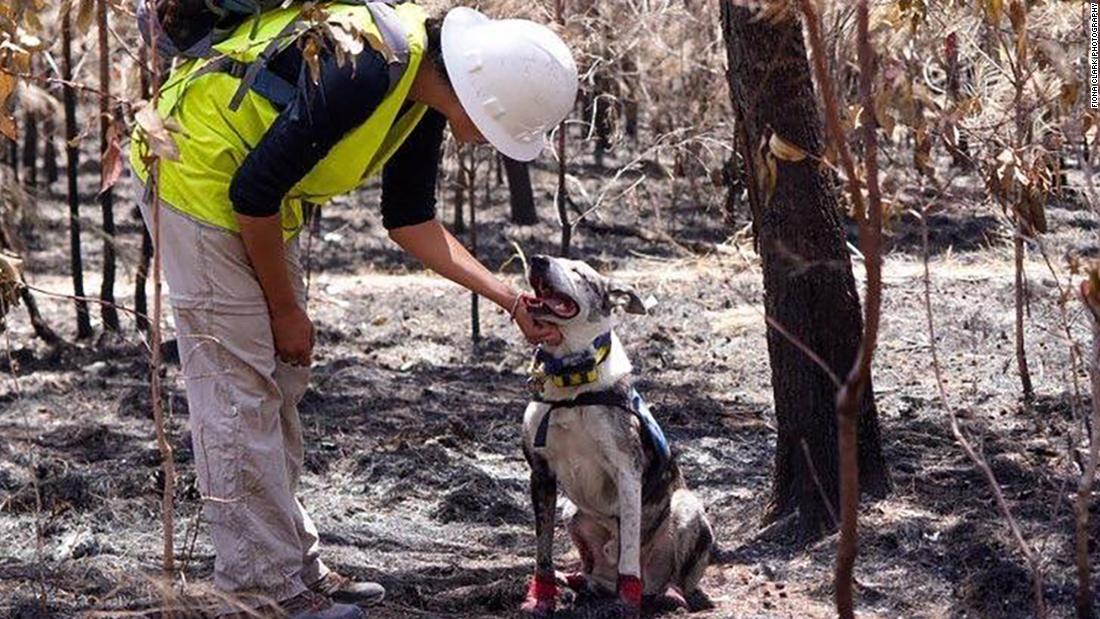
214,140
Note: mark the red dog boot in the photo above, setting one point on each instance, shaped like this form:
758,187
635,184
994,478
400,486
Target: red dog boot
630,594
542,595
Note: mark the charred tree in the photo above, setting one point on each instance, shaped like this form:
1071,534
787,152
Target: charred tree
562,198
30,149
13,158
960,150
141,276
72,162
521,196
106,195
810,297
141,300
458,225
49,151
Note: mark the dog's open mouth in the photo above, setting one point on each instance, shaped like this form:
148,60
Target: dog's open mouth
546,300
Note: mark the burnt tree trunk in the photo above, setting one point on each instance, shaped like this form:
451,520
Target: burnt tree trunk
808,284
13,156
72,162
106,197
49,151
458,225
521,197
141,299
960,152
30,149
562,199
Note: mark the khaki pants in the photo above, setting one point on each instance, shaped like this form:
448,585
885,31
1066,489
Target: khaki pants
243,405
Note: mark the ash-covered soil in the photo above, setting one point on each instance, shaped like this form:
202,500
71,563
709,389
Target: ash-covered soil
414,472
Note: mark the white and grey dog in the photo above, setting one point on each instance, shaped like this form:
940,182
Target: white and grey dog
638,529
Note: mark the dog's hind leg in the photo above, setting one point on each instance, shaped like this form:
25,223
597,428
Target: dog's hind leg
695,538
543,592
591,537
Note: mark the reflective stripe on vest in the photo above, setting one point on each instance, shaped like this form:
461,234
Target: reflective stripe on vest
214,140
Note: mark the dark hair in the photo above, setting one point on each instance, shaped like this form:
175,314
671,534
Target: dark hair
434,50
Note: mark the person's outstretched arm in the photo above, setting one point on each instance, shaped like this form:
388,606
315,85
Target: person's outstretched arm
431,243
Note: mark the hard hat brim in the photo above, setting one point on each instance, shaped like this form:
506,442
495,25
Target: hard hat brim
458,27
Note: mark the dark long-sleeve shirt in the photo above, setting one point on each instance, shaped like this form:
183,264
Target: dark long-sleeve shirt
319,117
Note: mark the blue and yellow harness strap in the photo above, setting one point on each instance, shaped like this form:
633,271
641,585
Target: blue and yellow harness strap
576,369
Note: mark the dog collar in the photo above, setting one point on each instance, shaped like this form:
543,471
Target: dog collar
575,369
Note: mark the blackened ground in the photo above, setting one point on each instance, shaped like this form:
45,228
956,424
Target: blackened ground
414,472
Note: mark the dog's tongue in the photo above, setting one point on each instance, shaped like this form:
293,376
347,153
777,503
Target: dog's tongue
558,305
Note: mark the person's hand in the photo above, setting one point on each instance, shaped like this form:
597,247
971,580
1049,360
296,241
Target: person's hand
293,332
536,331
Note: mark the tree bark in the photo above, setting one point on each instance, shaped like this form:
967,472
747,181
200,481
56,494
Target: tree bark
521,196
562,198
30,149
49,152
141,298
960,152
810,292
72,162
1020,305
106,198
13,157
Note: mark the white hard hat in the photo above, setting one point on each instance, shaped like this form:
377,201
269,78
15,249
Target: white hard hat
515,78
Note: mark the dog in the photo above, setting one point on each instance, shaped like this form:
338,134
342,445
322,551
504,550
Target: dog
638,529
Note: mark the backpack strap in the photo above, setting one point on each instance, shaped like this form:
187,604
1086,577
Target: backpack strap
266,83
256,75
280,92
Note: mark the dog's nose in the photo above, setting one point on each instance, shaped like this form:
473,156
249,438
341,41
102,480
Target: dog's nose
540,262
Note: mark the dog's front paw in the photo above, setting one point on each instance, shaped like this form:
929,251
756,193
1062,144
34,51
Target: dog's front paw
630,596
542,595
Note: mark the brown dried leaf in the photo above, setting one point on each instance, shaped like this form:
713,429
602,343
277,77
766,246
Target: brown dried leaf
111,163
784,150
378,45
1037,216
11,279
157,135
346,40
993,10
771,178
764,171
84,15
1017,15
311,53
7,123
1068,95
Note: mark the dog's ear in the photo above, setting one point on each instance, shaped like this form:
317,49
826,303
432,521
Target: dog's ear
618,294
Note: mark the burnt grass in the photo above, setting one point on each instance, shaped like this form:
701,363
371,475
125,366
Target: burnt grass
414,474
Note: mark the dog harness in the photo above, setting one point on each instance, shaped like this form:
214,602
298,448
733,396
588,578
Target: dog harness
623,396
575,369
